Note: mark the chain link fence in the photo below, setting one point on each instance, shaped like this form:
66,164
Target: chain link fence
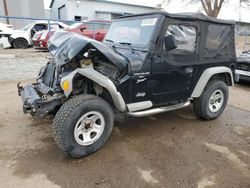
29,26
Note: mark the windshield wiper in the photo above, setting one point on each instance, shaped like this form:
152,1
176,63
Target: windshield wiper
127,44
115,50
109,40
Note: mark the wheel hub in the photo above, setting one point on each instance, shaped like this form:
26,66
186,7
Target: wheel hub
89,128
216,101
88,125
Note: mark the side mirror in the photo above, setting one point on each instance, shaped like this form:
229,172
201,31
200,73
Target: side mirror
82,29
170,43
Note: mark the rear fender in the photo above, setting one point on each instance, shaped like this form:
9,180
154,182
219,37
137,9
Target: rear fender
206,75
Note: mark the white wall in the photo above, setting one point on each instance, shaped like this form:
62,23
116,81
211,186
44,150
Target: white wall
23,8
48,13
36,8
88,8
56,5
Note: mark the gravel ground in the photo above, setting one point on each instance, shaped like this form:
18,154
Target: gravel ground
20,68
23,53
173,149
21,64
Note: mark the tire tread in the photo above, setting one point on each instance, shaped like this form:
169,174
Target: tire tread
63,113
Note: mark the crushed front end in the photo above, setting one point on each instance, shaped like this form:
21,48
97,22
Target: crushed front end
70,52
43,96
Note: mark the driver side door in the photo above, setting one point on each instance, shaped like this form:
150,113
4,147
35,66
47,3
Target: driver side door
173,71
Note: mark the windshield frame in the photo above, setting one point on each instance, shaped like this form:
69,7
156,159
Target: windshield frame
107,41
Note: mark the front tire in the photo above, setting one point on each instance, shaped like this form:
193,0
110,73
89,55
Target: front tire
82,125
20,43
212,101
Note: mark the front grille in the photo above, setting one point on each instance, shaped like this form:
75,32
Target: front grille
47,75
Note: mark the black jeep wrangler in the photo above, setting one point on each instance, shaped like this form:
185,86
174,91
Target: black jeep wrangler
147,64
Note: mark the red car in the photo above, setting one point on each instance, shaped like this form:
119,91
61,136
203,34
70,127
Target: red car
95,29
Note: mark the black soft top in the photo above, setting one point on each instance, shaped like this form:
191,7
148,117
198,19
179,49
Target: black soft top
186,16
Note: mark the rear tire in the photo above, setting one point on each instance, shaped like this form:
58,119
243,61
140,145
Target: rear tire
20,43
82,125
212,101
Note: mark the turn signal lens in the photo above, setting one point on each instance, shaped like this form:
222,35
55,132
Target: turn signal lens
65,85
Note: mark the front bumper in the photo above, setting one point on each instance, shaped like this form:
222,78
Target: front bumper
36,105
242,72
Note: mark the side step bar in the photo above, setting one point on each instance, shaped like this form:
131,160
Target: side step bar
158,110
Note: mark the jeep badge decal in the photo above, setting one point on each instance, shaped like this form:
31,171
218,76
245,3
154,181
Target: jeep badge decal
140,94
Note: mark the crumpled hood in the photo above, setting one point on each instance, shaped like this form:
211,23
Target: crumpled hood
64,46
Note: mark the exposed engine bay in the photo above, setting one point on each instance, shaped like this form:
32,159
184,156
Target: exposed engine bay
46,93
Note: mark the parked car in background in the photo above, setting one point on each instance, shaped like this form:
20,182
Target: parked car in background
5,28
41,38
242,71
95,29
23,38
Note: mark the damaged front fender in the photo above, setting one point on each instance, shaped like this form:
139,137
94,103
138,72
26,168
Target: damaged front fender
98,78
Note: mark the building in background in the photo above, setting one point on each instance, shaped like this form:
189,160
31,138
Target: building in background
242,36
22,8
79,10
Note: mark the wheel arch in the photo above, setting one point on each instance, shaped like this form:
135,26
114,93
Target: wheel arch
14,39
100,80
221,73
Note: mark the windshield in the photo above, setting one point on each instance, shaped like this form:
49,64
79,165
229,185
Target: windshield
135,32
25,28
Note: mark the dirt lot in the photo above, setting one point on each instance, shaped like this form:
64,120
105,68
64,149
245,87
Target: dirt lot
21,53
173,149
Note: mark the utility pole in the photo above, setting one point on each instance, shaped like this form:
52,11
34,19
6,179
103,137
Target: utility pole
6,11
240,10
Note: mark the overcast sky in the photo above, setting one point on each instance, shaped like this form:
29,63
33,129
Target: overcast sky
229,11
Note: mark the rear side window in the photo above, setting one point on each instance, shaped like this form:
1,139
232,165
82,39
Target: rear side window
185,37
218,41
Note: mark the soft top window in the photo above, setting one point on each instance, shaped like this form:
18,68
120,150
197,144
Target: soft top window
218,41
185,37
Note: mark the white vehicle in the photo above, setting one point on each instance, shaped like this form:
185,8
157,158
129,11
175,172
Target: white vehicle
23,38
5,28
